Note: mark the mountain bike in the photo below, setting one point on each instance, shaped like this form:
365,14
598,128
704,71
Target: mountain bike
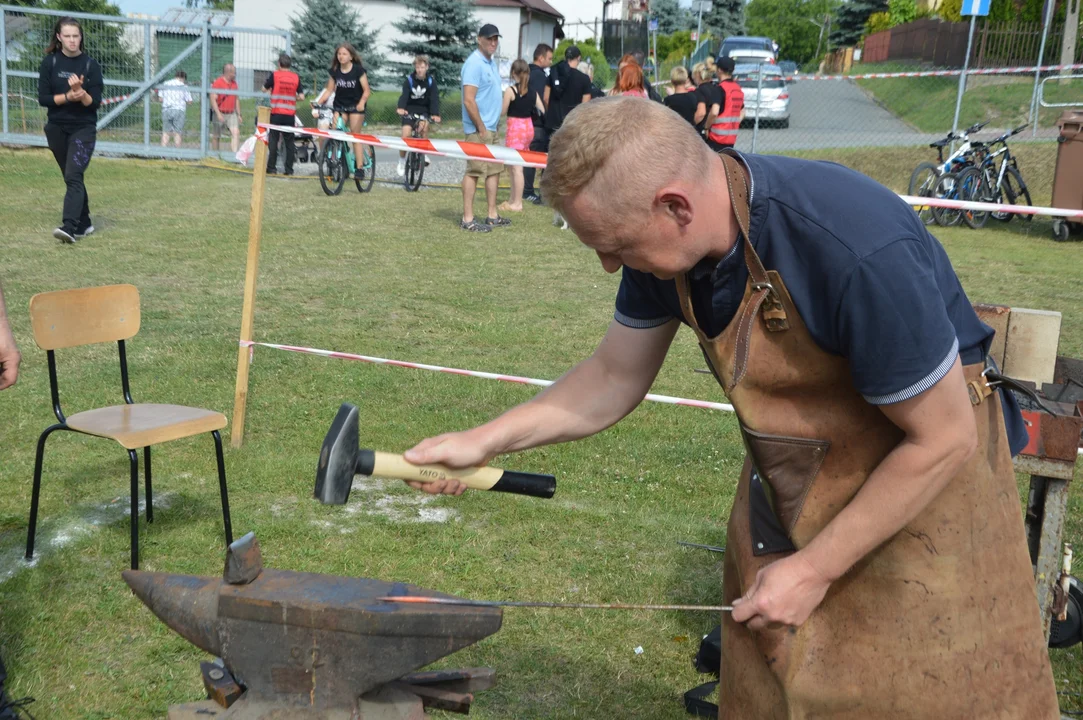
337,161
415,161
927,175
1003,183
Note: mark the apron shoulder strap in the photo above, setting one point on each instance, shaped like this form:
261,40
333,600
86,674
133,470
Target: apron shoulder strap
764,294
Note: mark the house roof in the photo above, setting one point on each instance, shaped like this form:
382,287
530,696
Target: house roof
216,18
539,6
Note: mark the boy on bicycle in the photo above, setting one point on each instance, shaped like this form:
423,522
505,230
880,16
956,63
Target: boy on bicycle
420,96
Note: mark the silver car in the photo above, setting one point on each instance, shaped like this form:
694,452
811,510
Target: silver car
773,108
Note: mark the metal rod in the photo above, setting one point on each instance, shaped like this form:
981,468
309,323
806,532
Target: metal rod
147,60
962,79
712,548
1034,110
759,106
204,89
4,73
580,606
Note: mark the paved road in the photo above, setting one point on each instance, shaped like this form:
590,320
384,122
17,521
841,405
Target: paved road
830,114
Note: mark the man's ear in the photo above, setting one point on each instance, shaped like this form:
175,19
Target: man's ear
675,203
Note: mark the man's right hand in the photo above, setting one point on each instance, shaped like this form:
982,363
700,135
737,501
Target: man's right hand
485,135
456,450
219,117
400,111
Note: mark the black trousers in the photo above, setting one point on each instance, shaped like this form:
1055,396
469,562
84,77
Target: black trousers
73,148
540,143
275,138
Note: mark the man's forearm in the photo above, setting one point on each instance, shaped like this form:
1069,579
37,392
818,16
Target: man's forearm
475,116
900,487
584,401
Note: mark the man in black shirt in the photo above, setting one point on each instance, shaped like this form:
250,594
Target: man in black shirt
568,87
651,92
539,78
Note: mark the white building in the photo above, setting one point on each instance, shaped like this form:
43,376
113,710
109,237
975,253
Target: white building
522,23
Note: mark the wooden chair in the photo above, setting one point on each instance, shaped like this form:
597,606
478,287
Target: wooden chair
69,318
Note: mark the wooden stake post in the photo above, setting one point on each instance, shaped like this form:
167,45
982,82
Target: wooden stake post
255,232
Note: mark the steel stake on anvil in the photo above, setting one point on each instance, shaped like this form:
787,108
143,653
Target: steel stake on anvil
341,459
540,604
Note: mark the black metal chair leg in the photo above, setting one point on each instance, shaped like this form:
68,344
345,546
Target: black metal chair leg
222,487
146,471
35,493
134,457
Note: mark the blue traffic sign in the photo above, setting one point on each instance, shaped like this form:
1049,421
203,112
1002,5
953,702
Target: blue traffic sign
975,7
653,24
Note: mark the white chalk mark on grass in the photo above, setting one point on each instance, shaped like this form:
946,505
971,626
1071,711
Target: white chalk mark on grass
56,534
391,499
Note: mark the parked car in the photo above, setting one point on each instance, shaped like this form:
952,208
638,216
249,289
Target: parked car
773,107
748,49
789,69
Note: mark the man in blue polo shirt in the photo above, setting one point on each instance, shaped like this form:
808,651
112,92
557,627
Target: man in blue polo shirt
482,103
875,554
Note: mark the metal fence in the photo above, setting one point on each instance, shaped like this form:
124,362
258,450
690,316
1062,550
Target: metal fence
137,56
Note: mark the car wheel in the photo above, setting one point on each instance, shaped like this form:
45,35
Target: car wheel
784,123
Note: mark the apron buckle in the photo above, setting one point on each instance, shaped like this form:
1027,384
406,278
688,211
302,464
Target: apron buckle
774,314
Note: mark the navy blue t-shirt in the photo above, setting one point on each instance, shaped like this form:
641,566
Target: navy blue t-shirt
870,282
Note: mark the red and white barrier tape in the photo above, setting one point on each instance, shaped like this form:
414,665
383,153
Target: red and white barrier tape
448,148
940,73
667,399
494,153
991,207
112,100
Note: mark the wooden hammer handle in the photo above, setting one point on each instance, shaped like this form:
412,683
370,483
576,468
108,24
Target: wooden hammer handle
372,462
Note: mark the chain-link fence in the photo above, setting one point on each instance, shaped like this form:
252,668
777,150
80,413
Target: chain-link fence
137,56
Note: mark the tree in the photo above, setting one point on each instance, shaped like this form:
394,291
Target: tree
668,13
849,25
787,22
320,27
727,17
902,11
445,30
210,4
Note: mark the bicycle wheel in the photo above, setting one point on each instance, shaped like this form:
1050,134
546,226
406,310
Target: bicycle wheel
415,169
1015,193
366,170
947,188
922,184
973,187
332,167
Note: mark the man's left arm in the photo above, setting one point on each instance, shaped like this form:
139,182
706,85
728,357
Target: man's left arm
940,437
9,352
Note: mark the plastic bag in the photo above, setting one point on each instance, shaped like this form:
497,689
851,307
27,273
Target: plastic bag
246,151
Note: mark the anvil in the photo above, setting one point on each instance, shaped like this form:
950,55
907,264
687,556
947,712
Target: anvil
306,645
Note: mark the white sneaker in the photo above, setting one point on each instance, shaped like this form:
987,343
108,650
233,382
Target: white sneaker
400,169
427,161
63,235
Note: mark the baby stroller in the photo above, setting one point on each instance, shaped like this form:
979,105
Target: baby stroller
306,148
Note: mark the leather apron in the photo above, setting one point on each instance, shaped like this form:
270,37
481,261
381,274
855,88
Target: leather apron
942,620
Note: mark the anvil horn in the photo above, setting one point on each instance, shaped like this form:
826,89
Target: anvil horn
185,603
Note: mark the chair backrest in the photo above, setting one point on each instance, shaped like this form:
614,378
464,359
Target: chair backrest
67,318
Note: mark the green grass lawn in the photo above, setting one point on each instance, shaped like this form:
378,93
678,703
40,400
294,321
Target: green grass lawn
384,274
928,103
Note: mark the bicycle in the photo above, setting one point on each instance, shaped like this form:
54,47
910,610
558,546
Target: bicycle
926,176
998,184
415,161
337,161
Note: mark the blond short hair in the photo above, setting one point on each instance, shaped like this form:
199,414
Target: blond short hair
678,76
619,151
699,73
422,59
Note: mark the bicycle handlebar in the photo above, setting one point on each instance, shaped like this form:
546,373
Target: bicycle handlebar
415,116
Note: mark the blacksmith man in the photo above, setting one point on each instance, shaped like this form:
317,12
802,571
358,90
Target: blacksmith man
875,549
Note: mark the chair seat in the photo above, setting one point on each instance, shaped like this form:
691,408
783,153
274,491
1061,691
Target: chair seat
140,425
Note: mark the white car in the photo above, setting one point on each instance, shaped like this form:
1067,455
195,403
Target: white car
749,49
773,107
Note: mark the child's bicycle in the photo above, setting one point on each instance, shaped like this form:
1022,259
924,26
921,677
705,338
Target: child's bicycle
337,162
415,161
930,179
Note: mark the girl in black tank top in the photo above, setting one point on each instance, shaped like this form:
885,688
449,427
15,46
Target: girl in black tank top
519,104
522,106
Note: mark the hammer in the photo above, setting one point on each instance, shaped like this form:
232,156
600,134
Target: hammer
341,459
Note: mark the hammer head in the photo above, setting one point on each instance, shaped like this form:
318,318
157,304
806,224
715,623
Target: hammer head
338,457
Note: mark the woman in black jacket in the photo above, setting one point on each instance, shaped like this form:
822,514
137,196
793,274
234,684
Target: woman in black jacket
70,86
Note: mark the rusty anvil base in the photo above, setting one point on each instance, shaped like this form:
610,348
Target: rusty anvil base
304,646
382,704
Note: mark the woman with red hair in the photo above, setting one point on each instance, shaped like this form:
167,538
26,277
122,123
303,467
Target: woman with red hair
629,82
